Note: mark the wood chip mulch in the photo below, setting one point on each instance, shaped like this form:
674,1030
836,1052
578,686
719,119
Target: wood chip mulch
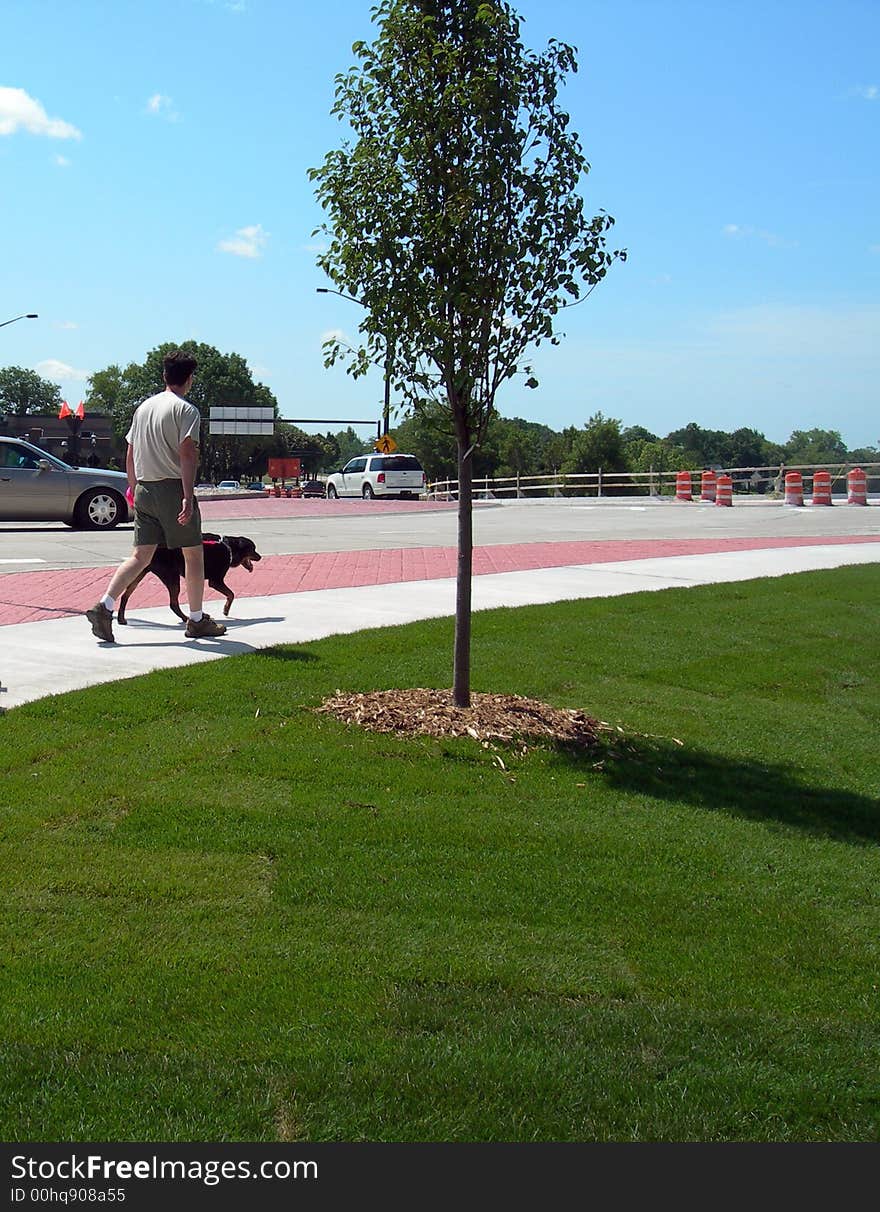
491,718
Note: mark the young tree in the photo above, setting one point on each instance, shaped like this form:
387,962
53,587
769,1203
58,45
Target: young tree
23,392
455,218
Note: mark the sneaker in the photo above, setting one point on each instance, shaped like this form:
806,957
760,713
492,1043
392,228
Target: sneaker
205,627
101,620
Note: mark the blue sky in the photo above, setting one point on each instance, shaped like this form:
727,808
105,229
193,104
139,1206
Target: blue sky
153,161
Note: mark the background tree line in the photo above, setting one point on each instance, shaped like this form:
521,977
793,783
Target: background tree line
221,380
512,446
527,448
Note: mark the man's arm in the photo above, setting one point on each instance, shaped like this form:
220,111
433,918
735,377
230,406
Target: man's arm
189,461
129,467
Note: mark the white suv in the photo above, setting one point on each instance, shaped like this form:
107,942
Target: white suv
368,476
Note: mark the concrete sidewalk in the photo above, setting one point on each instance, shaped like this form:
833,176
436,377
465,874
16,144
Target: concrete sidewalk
56,655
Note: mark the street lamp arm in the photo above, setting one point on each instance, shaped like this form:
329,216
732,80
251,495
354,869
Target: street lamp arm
31,315
326,290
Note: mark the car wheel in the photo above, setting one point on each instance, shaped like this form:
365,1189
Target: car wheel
368,493
100,509
332,494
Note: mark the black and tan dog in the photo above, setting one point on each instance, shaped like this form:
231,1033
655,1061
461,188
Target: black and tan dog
222,552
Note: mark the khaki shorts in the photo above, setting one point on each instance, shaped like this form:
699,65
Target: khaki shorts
156,506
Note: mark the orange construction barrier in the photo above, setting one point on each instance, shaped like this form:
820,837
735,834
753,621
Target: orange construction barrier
724,490
707,486
857,487
683,486
794,488
821,488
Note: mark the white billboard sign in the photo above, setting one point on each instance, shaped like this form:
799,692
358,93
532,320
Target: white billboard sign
232,420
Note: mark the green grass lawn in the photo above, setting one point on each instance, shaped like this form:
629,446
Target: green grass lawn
227,917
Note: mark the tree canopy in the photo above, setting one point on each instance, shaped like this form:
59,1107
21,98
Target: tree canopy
23,392
815,446
221,379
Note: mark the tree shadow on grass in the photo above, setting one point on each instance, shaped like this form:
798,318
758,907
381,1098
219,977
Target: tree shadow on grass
740,787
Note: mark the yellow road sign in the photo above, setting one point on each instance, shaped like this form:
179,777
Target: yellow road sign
385,444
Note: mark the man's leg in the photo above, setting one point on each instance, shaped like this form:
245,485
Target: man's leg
194,563
101,614
200,626
129,569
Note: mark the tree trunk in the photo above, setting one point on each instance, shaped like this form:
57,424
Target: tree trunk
461,673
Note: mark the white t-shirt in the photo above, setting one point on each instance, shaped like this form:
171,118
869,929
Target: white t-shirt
158,427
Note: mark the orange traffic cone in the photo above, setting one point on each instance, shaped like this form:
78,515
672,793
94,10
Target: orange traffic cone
821,488
857,487
794,488
724,490
707,486
683,486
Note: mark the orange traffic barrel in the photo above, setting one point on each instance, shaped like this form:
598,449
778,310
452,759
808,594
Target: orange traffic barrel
724,490
707,486
683,486
857,487
821,488
794,488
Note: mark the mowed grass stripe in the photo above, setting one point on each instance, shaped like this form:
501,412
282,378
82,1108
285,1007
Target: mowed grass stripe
227,917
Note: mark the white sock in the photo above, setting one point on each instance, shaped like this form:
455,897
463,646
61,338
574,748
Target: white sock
109,602
196,616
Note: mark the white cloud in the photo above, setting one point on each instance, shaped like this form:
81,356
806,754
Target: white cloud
334,334
247,242
60,372
161,106
18,111
874,248
869,92
739,231
61,161
68,324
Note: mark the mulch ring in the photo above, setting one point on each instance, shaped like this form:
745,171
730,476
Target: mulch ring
490,719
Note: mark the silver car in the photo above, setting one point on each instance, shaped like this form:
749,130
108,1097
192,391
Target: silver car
37,487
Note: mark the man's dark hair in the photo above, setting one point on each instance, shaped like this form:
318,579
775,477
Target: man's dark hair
177,367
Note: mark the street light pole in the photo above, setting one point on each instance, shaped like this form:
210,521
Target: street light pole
389,355
31,315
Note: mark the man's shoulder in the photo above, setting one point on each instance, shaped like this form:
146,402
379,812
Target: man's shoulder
168,401
152,402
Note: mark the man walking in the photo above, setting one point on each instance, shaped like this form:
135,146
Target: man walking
161,462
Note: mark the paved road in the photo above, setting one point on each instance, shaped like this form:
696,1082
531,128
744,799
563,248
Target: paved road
337,567
287,527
